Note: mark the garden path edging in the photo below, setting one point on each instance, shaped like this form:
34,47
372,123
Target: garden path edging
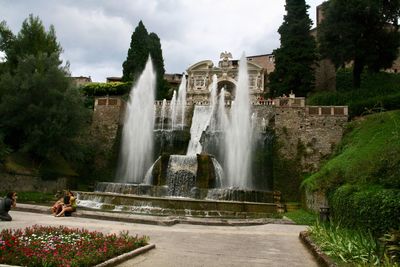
320,256
126,256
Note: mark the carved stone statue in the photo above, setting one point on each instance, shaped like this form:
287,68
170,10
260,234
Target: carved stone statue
225,56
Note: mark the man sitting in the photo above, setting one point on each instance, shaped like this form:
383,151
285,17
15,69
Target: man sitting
10,201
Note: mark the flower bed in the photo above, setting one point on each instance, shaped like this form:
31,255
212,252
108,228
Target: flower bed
62,246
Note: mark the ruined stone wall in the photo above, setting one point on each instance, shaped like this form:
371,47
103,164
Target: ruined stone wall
107,115
27,183
311,131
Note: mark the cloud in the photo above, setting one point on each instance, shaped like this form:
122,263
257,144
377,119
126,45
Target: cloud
95,35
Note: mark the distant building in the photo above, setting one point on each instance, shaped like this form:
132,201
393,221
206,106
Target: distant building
266,61
81,80
173,79
113,79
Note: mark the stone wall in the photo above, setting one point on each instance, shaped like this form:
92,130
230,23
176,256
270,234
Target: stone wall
314,200
107,116
24,183
165,123
313,130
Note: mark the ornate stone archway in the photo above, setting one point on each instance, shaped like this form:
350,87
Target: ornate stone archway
229,87
200,78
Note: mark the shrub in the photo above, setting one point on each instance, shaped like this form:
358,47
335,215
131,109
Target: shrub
101,89
378,91
373,208
355,247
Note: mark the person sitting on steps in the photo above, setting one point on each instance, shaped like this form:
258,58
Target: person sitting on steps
69,205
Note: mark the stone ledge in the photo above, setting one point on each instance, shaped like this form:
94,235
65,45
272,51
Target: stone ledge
124,257
320,256
156,220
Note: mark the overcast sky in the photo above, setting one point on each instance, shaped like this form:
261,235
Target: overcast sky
95,34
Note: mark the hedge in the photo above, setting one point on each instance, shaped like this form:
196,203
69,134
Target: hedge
374,104
101,89
370,208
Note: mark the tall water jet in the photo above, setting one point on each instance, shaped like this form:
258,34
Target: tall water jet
238,134
163,111
173,111
182,99
213,103
222,119
137,135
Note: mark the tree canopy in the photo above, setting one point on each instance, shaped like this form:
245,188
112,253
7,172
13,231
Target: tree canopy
40,112
142,45
364,32
295,59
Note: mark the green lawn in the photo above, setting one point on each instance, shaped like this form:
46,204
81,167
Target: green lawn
302,217
368,154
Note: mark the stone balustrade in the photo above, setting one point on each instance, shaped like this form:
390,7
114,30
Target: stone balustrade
327,110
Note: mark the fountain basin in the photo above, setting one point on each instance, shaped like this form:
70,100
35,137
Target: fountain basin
136,204
228,194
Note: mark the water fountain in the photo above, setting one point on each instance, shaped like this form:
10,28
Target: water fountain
238,143
191,183
137,142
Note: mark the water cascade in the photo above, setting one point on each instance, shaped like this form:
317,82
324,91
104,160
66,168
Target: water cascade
238,143
200,121
181,175
137,142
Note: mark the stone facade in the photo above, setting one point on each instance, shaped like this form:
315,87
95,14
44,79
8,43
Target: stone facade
200,79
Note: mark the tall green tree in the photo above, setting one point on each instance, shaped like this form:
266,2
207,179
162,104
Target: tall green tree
142,45
296,57
40,112
158,61
138,54
364,32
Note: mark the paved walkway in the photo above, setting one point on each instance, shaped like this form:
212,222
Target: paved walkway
193,244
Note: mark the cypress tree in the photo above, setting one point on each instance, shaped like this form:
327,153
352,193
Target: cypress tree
295,58
142,45
158,61
137,54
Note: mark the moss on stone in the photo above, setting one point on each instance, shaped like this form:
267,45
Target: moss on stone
160,170
205,171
